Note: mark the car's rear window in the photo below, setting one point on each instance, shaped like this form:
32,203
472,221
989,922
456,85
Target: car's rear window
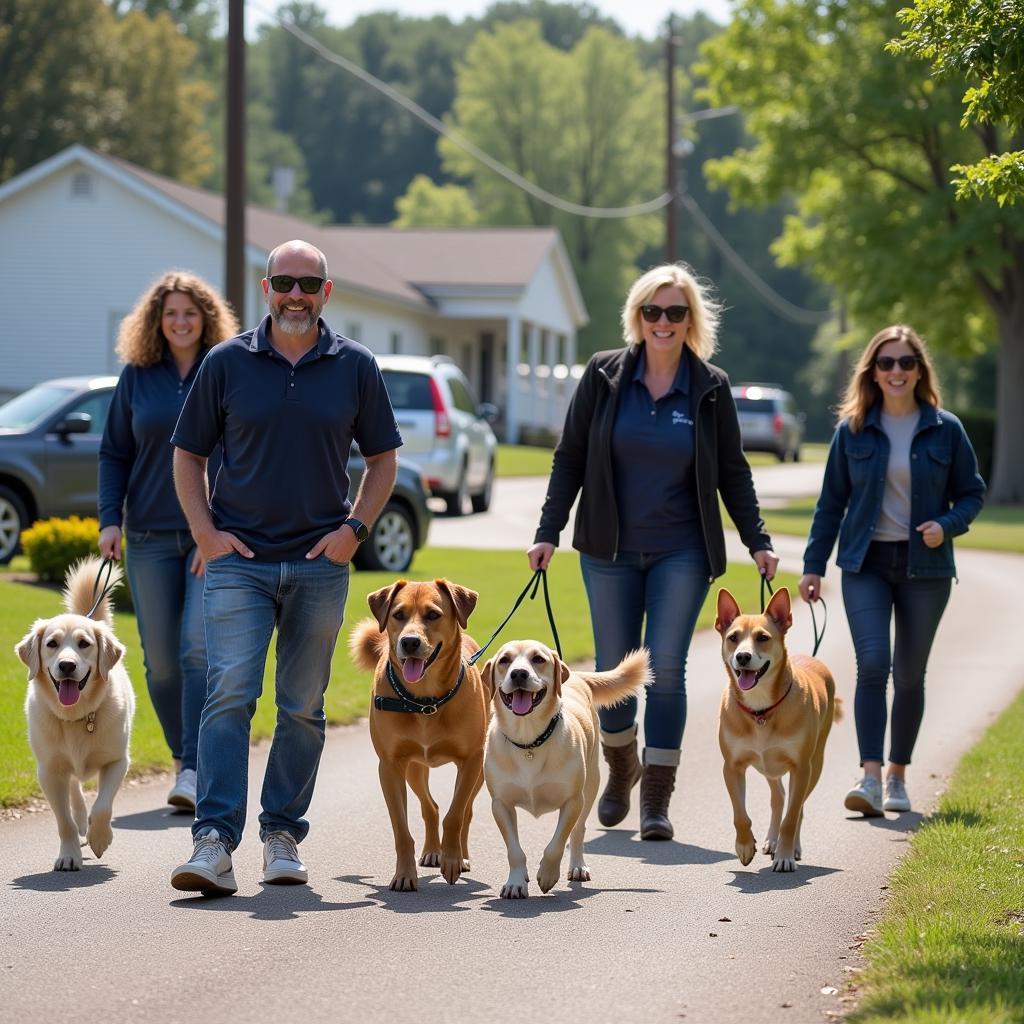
755,404
31,406
408,391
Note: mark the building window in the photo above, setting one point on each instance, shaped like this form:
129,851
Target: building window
395,342
81,185
436,345
354,330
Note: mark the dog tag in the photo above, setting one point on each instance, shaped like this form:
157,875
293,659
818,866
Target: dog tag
529,755
90,722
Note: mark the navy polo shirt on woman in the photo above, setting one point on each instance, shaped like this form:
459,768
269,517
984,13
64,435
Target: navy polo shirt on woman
653,466
135,467
286,434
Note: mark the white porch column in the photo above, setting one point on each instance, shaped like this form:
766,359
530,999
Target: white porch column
532,410
551,358
570,348
513,342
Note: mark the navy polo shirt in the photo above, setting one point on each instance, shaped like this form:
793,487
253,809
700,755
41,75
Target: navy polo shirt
136,480
653,466
286,434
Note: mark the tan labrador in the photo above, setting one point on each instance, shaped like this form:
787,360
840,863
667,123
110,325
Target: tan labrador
417,645
79,705
542,750
776,714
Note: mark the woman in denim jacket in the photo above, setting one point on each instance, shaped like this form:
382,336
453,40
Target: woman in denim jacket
162,342
900,483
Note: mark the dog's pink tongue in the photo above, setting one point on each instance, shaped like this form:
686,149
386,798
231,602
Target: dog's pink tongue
68,693
412,669
522,702
746,679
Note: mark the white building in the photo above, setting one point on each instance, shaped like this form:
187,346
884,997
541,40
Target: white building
82,235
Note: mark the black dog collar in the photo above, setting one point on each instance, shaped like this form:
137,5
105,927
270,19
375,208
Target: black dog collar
409,703
545,735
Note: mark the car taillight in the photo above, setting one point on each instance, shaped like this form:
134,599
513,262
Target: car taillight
777,424
442,425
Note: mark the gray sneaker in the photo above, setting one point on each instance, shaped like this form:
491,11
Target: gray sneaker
896,798
281,863
865,797
209,869
183,792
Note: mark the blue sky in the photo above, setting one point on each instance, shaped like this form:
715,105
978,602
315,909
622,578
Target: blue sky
637,17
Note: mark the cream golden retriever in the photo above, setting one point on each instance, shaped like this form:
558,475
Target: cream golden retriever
542,750
79,707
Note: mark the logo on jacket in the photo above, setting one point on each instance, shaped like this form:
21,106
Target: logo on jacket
681,418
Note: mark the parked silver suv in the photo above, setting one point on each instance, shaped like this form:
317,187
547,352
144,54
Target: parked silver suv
769,420
445,432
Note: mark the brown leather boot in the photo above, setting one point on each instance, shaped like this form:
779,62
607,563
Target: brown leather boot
624,771
655,792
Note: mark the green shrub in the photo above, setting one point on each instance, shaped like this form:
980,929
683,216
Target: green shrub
981,429
54,545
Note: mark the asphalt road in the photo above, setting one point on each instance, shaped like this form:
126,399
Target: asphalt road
665,932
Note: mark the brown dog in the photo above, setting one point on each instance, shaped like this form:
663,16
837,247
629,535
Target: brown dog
429,707
542,750
776,715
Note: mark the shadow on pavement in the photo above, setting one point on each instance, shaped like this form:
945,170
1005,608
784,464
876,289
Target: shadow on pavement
158,818
765,880
433,896
65,881
906,822
555,902
627,843
272,903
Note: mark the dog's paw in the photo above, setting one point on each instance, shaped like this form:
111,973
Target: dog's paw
783,864
769,846
100,835
516,888
547,873
745,850
797,853
579,873
69,858
451,868
403,882
430,859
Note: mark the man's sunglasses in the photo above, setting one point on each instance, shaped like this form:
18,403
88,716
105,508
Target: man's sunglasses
285,283
675,314
886,363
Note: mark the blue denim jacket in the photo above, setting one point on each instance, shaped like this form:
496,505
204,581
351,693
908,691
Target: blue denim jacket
944,482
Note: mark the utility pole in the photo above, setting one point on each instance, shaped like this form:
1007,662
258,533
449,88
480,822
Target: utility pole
671,182
234,177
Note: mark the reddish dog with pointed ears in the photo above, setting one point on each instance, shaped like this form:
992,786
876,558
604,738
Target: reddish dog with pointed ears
776,715
429,707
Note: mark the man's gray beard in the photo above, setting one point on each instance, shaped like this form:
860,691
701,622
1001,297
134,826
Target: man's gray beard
292,326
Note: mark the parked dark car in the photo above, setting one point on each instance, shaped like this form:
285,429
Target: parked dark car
769,420
49,446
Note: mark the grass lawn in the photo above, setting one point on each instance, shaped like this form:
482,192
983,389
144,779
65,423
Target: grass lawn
499,576
997,528
949,947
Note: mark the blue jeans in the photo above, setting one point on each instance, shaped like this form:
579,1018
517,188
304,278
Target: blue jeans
668,588
872,596
169,608
244,601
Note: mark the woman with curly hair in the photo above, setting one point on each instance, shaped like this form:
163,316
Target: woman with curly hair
162,342
900,483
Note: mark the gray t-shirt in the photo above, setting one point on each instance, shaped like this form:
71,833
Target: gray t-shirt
894,518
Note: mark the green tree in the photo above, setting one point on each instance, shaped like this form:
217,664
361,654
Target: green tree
586,126
428,205
979,41
865,142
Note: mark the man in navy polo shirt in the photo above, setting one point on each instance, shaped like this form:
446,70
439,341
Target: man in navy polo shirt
285,401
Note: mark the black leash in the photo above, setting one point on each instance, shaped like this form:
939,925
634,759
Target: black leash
535,581
818,637
108,565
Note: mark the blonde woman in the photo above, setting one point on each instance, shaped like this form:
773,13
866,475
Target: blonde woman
162,343
650,440
900,483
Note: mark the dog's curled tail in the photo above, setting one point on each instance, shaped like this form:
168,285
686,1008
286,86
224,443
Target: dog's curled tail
629,677
85,580
367,644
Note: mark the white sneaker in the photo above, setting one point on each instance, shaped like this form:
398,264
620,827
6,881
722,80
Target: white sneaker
183,792
209,869
281,863
865,797
896,798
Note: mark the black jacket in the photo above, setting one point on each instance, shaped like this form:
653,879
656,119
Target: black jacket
583,459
